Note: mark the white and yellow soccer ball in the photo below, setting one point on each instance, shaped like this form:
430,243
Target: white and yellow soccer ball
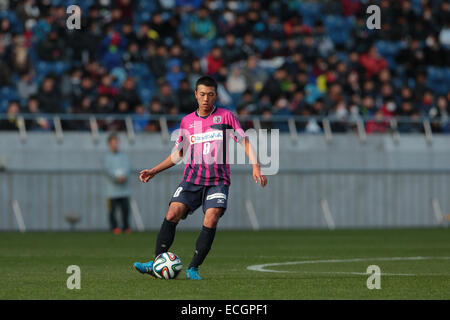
167,265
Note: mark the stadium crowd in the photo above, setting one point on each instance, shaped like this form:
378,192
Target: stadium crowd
290,57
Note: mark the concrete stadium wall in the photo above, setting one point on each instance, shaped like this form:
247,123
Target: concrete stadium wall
378,183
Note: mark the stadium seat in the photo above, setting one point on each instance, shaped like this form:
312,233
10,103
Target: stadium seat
8,93
261,44
435,74
338,28
310,12
145,95
388,50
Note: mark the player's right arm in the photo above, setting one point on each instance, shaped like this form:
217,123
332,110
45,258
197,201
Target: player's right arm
175,157
170,161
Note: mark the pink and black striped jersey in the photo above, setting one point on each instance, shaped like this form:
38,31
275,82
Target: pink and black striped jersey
205,142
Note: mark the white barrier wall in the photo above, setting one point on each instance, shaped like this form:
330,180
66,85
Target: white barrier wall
373,184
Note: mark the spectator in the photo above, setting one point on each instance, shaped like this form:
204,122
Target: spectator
129,93
26,87
166,97
175,75
368,106
248,46
275,49
440,115
201,26
409,115
48,96
236,82
19,58
5,75
231,51
444,36
195,72
214,61
274,28
38,123
156,108
157,61
188,5
272,86
247,102
308,49
378,124
433,54
372,62
106,86
103,105
186,97
255,76
52,48
11,121
140,120
117,170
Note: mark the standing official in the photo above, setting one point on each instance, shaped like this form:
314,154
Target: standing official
116,166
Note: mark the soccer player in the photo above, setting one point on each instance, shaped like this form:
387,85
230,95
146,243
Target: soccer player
203,139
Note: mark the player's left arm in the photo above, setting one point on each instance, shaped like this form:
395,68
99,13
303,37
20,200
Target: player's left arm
239,136
251,154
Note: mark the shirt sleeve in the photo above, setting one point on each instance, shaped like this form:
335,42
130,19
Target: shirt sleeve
237,133
182,139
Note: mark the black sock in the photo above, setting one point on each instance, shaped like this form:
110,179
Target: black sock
165,236
204,242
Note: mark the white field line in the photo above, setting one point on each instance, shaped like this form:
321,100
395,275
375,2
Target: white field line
262,267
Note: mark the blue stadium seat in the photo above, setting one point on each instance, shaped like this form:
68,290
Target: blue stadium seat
145,94
60,67
388,50
3,105
416,6
435,74
447,74
439,80
310,12
8,93
199,47
261,44
338,28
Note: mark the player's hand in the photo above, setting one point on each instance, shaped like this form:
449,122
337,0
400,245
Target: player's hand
146,174
258,176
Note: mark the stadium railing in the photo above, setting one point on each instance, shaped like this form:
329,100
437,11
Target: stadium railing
293,125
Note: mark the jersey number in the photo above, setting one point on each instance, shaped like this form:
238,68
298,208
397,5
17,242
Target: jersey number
177,192
206,147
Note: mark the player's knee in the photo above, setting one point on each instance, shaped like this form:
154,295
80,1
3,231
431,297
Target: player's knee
175,213
173,216
212,217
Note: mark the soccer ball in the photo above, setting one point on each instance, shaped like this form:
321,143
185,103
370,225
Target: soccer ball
167,265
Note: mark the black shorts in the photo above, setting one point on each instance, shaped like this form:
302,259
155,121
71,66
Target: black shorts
194,196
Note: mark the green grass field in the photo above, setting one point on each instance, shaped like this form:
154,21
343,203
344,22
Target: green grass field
33,265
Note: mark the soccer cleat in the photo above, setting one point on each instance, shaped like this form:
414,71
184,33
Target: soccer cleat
117,231
146,267
192,274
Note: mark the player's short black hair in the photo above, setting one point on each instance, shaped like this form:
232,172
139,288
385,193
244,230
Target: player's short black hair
206,81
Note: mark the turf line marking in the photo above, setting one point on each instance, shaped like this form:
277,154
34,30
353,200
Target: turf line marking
262,267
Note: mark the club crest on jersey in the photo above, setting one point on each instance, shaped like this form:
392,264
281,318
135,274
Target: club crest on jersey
217,119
